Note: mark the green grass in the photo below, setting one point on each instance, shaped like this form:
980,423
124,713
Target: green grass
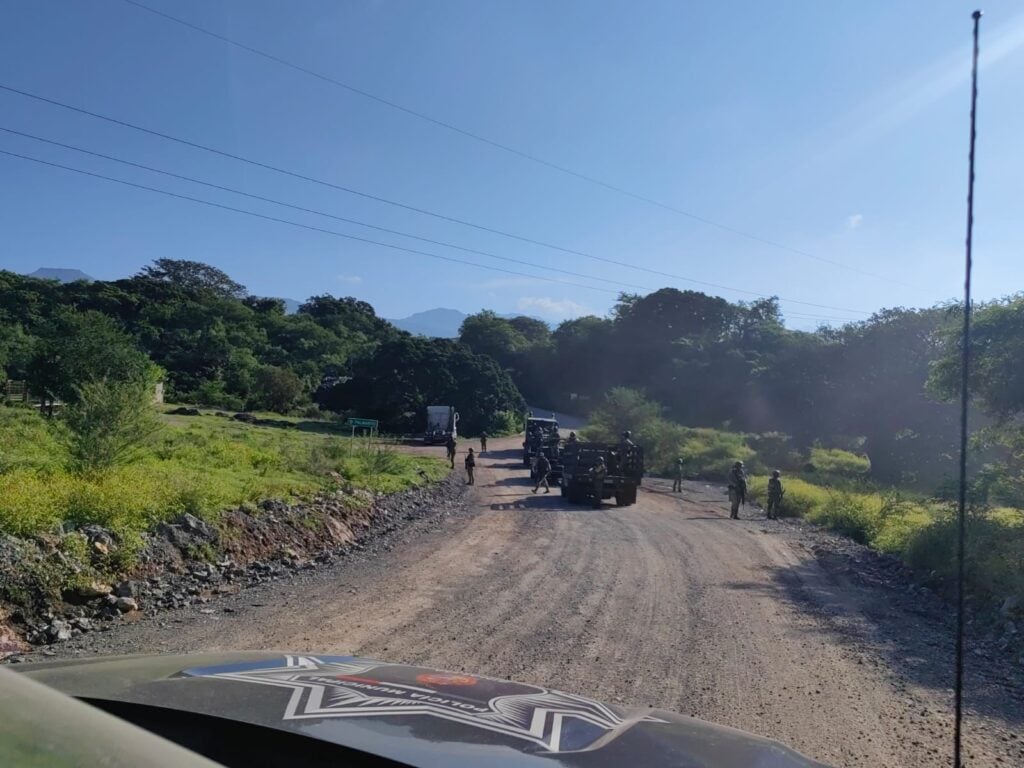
201,465
922,533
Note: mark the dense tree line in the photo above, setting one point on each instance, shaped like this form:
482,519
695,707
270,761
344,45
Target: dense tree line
884,386
879,386
214,344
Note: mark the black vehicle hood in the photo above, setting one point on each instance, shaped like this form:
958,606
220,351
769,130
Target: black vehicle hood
415,715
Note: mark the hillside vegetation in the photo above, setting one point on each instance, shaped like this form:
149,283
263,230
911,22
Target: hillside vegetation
198,465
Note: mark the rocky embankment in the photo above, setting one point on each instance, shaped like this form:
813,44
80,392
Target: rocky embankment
57,587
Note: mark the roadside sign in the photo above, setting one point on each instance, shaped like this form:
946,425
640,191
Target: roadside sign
370,424
363,423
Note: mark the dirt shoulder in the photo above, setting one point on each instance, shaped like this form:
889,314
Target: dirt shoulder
755,624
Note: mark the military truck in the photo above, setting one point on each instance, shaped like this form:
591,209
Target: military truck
625,465
540,433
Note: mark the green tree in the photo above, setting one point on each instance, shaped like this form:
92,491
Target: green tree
76,348
397,380
108,422
276,389
194,276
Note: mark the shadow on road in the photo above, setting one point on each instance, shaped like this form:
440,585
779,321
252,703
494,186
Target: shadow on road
510,465
909,630
550,502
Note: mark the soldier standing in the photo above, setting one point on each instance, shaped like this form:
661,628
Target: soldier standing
775,494
677,483
597,474
470,466
734,503
571,442
543,469
738,485
483,442
450,445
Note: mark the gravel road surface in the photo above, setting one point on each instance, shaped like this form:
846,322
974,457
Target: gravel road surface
666,603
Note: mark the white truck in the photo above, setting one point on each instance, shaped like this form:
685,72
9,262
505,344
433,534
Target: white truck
442,421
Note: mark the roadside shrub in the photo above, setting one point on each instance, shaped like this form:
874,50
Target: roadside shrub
848,514
30,501
109,423
710,453
995,555
801,499
836,463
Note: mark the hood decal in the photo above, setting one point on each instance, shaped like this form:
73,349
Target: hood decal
326,687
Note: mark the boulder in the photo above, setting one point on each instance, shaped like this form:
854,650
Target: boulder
58,631
126,604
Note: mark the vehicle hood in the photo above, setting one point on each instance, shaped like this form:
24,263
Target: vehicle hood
415,715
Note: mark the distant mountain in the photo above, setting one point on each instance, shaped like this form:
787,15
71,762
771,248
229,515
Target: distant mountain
291,306
444,323
60,275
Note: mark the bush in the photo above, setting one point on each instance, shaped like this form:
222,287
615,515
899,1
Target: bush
836,463
849,514
710,453
801,499
276,389
994,545
109,423
212,394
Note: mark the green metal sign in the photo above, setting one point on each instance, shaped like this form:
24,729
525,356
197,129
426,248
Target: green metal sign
363,423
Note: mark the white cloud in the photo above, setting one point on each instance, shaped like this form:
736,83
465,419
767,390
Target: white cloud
545,306
350,279
854,221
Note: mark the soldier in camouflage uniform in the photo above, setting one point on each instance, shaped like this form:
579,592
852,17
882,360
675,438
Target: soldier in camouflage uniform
738,489
450,445
677,483
775,494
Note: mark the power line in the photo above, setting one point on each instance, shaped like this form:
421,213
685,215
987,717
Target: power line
355,221
299,224
320,213
505,147
377,198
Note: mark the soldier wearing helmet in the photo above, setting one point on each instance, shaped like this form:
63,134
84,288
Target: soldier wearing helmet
775,494
737,489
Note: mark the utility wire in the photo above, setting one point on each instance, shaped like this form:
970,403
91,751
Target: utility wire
299,224
965,362
377,198
234,191
304,209
505,147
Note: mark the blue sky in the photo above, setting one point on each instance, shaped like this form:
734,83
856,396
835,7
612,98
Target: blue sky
838,130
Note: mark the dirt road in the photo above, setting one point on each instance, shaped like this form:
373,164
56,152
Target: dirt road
666,603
